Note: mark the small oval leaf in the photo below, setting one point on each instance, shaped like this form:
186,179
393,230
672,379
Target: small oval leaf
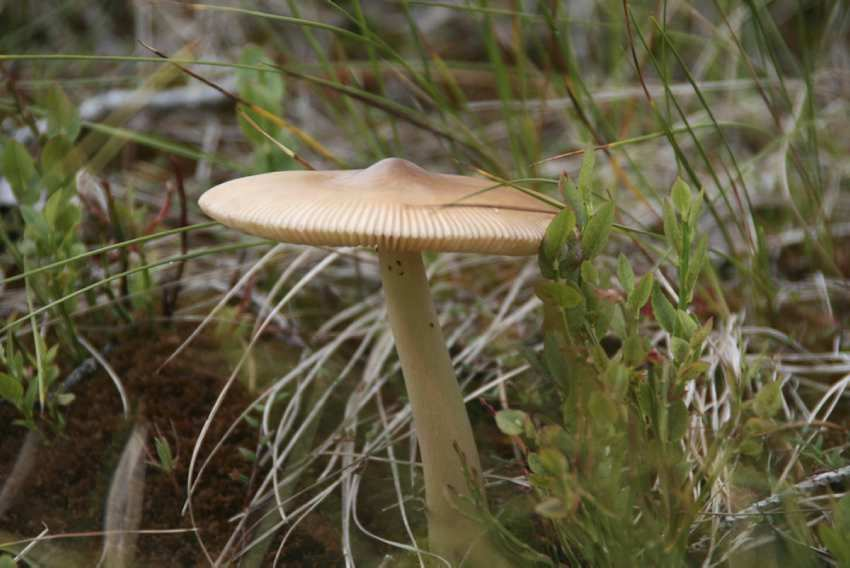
511,422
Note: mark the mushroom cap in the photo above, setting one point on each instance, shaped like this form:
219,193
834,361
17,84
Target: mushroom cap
393,205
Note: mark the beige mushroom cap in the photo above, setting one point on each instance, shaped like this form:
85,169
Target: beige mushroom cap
393,205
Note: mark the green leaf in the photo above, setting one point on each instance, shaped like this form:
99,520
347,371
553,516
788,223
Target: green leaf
555,436
511,422
59,161
618,322
625,273
534,463
639,296
634,351
573,198
62,116
663,310
696,208
698,259
835,538
554,358
700,335
750,447
11,390
262,88
557,232
836,542
672,230
842,514
589,274
553,461
679,348
687,324
645,398
30,395
768,401
677,420
61,214
52,208
595,234
561,294
758,427
19,171
551,508
163,452
585,176
65,398
617,377
681,196
36,223
602,408
247,454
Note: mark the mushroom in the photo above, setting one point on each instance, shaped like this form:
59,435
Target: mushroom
402,210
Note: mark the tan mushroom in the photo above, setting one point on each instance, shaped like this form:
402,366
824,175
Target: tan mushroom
402,210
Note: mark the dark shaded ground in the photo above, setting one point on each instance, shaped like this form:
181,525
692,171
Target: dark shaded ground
66,488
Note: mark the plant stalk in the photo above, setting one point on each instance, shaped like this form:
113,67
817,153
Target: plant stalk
439,414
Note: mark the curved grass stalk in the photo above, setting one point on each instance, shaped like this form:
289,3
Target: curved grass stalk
104,249
288,19
154,266
399,495
277,248
191,480
284,277
116,380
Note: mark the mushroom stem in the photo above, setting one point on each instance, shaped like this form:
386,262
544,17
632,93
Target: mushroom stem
439,414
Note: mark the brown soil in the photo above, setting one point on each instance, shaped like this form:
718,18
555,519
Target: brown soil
67,487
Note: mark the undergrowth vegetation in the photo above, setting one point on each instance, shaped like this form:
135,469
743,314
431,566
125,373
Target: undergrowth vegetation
665,384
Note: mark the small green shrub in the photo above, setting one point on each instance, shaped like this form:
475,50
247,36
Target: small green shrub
608,457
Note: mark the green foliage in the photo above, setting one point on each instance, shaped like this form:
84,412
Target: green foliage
48,218
511,422
19,171
165,458
836,537
595,233
558,233
62,116
608,465
610,473
266,90
681,214
27,382
768,400
580,231
621,415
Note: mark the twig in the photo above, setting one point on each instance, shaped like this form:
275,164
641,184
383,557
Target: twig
256,108
101,360
831,479
280,145
170,293
30,546
207,82
84,370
